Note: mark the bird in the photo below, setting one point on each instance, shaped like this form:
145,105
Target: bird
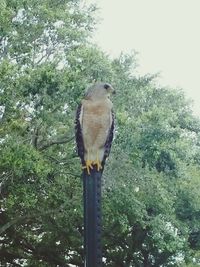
94,126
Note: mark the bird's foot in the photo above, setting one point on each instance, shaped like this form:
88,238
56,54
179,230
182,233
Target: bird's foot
98,163
88,166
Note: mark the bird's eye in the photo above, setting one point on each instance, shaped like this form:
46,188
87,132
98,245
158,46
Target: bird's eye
106,86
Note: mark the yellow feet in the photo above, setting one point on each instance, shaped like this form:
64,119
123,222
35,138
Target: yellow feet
98,163
88,165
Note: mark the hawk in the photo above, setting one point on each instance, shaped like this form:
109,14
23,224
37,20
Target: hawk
95,126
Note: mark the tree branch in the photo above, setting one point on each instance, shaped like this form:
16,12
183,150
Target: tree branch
35,137
11,223
55,142
26,217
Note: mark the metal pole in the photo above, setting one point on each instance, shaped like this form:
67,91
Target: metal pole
92,218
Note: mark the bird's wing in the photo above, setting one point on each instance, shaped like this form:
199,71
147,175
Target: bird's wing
109,139
78,132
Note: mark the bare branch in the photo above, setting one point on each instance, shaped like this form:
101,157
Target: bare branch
35,137
26,217
55,142
11,223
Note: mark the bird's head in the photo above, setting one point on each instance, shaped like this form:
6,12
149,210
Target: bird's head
100,90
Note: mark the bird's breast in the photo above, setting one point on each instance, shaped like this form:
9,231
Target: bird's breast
96,120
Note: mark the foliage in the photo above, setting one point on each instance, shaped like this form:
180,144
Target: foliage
150,191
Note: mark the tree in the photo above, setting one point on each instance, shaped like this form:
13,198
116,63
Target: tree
41,214
155,145
150,196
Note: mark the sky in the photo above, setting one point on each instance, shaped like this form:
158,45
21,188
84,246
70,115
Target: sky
165,33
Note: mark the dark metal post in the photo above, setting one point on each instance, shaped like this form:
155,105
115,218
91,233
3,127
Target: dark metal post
92,218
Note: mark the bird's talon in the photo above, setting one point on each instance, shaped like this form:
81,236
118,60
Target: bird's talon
98,163
88,166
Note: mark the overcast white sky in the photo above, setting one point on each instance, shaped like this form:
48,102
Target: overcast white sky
166,33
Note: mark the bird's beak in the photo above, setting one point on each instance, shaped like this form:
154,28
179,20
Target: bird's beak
112,91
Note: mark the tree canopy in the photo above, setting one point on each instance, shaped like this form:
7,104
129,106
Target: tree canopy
151,201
